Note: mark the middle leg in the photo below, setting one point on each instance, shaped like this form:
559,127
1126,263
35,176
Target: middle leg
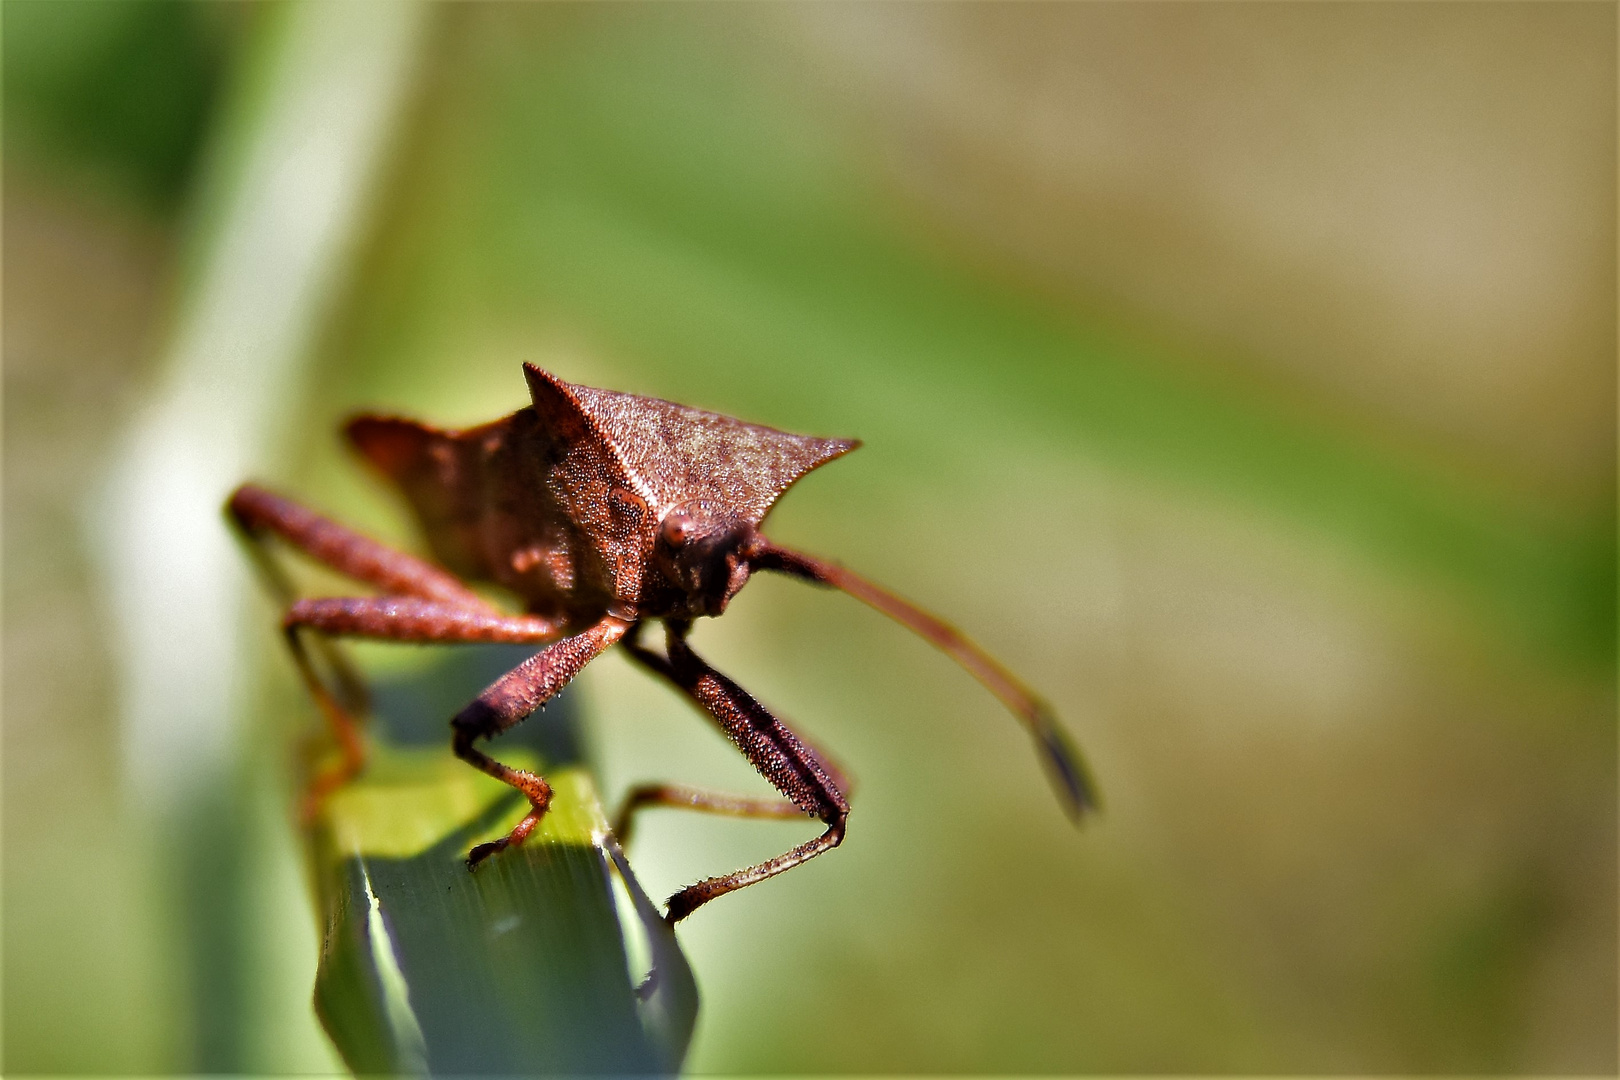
686,797
390,618
259,514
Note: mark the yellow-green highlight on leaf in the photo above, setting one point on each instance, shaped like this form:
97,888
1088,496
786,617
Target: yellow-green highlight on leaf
409,796
411,1053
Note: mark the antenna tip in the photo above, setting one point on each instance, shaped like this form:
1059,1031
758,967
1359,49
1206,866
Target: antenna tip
1067,769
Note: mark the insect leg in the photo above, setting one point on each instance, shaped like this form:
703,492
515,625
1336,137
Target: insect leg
686,797
392,619
257,512
339,719
660,666
682,796
770,746
254,513
511,698
1067,768
692,897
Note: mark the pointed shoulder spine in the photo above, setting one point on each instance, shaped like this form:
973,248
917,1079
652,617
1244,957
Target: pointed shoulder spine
559,409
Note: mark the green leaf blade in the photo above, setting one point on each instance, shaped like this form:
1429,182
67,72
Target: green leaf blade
531,964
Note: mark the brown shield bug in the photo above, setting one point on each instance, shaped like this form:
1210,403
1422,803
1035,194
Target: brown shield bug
600,510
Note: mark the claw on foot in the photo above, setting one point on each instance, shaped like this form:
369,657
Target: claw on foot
484,851
511,839
682,904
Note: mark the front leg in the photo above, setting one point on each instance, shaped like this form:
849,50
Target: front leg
686,797
784,759
512,697
835,773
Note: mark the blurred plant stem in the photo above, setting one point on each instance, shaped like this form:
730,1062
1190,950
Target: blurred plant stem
284,192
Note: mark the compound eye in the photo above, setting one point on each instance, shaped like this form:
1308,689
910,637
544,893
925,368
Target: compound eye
677,529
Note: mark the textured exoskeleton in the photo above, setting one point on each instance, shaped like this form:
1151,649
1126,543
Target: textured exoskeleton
599,510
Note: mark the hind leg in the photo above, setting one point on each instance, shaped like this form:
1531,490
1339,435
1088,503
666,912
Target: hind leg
259,514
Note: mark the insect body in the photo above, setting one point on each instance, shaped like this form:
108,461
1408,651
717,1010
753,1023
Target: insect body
600,510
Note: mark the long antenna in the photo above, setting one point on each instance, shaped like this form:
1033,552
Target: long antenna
1063,761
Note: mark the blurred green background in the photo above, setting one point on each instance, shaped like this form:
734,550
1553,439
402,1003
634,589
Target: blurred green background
1243,375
